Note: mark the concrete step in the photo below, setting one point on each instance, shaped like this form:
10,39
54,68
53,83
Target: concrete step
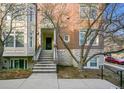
50,68
45,57
44,67
44,71
47,51
45,62
42,55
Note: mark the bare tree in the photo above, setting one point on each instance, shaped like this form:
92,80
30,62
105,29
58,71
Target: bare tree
112,27
107,23
9,14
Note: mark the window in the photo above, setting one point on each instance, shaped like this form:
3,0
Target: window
18,64
20,18
81,37
93,62
83,12
31,14
10,41
31,39
21,63
93,13
15,39
19,39
19,14
26,64
66,38
90,37
11,64
88,11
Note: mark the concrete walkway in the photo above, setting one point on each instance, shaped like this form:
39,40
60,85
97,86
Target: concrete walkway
50,81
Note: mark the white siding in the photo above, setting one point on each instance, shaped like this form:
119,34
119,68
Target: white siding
26,50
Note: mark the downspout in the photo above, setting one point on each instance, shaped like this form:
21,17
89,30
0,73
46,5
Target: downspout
36,27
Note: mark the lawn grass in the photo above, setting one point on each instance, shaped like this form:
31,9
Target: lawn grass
15,74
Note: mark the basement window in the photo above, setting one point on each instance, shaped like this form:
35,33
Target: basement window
93,62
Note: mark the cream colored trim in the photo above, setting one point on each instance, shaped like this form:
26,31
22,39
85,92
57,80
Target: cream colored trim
67,41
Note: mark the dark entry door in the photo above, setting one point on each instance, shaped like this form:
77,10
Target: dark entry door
48,43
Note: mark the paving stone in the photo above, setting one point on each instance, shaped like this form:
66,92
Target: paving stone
11,84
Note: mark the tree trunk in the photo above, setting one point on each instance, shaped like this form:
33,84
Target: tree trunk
1,54
80,65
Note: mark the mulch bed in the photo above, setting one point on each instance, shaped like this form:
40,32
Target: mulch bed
14,74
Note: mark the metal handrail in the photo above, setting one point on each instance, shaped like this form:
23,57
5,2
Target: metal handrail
55,54
118,70
37,53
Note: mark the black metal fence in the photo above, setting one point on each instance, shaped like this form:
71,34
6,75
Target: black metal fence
116,74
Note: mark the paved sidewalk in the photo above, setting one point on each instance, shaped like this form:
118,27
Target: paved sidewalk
50,81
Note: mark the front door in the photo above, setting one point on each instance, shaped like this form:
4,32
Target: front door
48,43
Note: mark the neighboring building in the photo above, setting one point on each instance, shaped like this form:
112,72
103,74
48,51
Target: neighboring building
72,35
20,46
36,36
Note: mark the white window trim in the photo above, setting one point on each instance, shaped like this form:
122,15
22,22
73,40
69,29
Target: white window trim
67,41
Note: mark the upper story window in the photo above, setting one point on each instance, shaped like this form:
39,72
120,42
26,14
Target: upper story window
19,39
67,38
20,13
88,11
82,37
15,39
17,14
90,37
31,39
10,41
31,13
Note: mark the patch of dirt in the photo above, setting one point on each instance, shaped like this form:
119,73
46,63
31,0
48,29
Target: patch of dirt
69,72
14,74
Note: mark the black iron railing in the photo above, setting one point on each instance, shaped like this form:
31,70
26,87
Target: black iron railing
115,69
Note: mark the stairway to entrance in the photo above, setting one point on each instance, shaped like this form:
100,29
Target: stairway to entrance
45,63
